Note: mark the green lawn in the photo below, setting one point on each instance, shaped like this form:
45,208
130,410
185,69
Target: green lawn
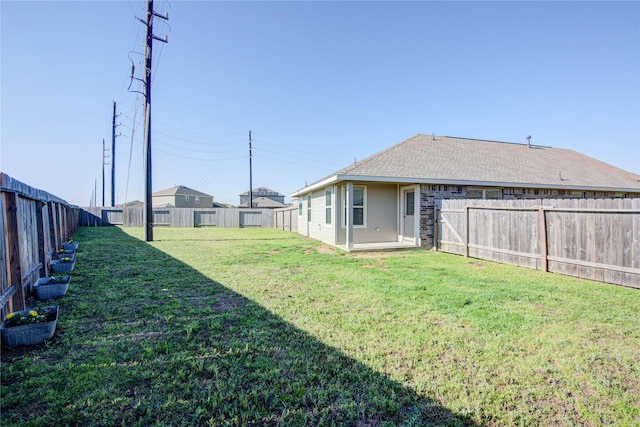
263,327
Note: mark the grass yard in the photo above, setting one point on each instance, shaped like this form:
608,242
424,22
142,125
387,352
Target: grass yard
262,327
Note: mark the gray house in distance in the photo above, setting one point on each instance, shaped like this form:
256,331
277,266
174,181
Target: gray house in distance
263,197
388,199
181,197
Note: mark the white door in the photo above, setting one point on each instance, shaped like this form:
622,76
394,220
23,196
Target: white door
408,213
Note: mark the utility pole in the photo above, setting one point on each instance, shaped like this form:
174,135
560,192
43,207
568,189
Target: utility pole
113,156
148,204
250,176
103,165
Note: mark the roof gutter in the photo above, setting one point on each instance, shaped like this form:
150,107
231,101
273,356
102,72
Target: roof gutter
362,178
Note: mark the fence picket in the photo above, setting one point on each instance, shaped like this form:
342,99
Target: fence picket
597,239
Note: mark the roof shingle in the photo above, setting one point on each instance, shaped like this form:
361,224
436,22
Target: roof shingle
457,160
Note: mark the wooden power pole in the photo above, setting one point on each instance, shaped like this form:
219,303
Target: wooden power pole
113,156
148,203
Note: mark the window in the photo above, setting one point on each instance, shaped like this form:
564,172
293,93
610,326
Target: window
409,202
197,200
186,198
484,193
309,207
359,205
300,206
328,205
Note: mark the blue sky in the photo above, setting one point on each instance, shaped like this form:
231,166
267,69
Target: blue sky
319,84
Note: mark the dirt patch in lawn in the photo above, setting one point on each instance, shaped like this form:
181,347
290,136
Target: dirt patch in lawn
228,302
324,249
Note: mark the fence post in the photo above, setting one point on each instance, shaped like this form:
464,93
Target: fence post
435,228
465,236
13,247
42,253
52,226
542,226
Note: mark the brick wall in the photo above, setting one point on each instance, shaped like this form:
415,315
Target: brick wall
430,195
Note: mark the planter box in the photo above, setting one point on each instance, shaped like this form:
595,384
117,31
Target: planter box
33,334
45,290
73,246
58,266
67,252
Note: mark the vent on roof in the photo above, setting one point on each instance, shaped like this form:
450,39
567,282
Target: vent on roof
529,141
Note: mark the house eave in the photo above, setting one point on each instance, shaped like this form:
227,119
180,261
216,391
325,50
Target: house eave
315,186
391,179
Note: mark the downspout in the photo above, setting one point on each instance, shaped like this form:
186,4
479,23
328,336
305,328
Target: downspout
349,218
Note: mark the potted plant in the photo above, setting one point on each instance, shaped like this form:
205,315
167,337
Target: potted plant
70,245
29,327
63,265
52,287
66,252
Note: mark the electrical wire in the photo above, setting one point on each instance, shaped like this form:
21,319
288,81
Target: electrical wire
306,165
181,147
126,188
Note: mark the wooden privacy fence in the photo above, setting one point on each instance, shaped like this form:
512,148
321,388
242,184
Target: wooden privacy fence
595,239
34,225
178,217
286,219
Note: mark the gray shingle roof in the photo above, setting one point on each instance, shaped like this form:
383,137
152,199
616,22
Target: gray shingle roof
445,159
264,202
180,190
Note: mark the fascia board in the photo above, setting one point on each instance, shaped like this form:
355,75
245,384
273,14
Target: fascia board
399,179
480,183
315,186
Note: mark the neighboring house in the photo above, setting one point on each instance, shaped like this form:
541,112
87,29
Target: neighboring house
260,194
132,204
265,203
391,195
222,205
181,197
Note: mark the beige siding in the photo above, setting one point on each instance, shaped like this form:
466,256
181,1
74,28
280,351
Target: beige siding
317,227
381,215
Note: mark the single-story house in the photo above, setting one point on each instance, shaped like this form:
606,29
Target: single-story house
132,204
388,199
181,197
264,203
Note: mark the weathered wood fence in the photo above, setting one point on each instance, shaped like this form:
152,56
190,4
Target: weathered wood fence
595,239
34,225
178,217
286,219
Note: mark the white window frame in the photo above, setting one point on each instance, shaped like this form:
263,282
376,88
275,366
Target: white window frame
328,208
300,210
309,198
484,192
186,198
197,200
364,206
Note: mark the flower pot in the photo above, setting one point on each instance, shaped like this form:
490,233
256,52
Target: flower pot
66,252
32,334
73,246
59,266
47,290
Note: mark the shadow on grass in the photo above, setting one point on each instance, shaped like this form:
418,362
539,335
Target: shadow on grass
144,339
